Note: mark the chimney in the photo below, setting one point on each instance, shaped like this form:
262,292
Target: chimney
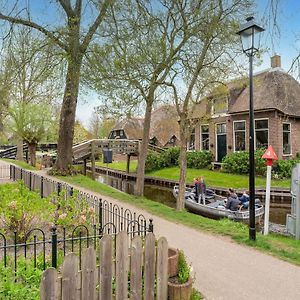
276,61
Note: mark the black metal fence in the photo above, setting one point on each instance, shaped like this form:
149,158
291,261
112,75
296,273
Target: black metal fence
109,218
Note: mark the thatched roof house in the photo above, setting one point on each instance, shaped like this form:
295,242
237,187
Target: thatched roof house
224,122
164,128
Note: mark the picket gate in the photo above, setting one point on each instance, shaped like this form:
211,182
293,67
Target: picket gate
132,272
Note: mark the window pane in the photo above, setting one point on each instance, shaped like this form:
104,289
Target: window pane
286,127
262,138
239,125
221,128
205,141
204,128
261,124
286,143
240,141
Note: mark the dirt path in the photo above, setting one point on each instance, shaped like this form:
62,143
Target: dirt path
223,269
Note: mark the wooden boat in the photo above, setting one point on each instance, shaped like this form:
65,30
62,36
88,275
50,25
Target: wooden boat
214,207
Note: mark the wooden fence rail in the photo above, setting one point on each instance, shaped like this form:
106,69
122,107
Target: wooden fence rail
133,272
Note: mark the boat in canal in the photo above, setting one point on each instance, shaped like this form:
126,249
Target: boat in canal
214,206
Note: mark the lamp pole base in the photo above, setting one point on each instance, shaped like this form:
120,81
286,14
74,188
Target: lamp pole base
252,233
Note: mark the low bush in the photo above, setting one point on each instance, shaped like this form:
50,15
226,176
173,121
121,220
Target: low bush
283,168
183,268
153,161
170,157
238,162
199,159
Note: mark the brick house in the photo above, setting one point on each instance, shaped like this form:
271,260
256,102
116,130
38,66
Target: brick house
164,128
222,119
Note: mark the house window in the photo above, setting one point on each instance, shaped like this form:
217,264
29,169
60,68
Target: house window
220,105
191,145
262,133
286,138
239,131
204,137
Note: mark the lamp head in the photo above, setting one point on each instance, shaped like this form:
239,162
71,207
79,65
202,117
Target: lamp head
249,33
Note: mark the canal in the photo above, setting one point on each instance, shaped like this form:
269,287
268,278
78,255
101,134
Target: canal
164,195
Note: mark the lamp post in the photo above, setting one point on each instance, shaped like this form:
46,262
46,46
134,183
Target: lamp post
249,33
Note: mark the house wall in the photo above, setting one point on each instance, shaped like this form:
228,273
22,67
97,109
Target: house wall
276,121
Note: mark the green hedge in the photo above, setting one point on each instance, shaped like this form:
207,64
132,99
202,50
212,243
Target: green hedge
238,162
170,158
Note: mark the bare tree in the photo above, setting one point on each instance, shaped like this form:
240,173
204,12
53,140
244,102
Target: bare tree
73,37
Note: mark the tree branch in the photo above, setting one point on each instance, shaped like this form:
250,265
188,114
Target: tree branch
31,24
94,27
66,5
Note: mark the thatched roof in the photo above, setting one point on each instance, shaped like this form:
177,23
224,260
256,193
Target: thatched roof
273,89
164,124
133,127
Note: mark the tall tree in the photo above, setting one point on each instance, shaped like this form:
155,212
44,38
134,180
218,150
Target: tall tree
208,59
73,37
144,42
33,74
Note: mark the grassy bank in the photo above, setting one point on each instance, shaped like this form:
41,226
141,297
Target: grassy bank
282,247
19,163
212,178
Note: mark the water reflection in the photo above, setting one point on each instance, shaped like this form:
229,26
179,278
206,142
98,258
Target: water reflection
164,195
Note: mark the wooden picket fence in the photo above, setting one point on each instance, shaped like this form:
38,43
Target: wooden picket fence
135,272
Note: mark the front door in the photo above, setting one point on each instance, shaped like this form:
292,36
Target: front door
221,142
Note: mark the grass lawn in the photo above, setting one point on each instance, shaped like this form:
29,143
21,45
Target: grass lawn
21,164
212,178
282,247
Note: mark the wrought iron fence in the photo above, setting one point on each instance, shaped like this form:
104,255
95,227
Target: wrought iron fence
109,218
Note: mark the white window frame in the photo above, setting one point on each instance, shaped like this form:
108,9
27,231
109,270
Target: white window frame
291,150
238,121
261,119
201,148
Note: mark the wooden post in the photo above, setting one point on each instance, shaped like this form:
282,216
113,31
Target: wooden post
128,164
93,160
84,167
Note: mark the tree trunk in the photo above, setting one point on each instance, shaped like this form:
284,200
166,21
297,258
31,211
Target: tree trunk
182,163
67,118
19,155
140,177
32,153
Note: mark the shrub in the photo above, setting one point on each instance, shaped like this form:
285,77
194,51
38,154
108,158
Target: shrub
238,162
283,168
21,209
199,159
153,161
170,157
183,268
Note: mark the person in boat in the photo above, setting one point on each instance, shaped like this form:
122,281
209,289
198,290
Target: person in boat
244,199
233,202
201,190
196,180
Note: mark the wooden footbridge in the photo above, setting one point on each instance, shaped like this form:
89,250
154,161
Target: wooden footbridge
91,149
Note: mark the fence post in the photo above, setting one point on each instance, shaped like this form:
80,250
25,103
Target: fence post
100,212
54,246
71,191
30,180
58,188
42,186
10,172
21,174
14,177
151,225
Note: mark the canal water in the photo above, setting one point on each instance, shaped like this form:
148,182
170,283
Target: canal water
164,195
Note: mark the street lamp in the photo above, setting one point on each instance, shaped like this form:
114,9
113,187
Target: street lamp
249,33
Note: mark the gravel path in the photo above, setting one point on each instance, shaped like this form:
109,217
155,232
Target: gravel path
224,269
